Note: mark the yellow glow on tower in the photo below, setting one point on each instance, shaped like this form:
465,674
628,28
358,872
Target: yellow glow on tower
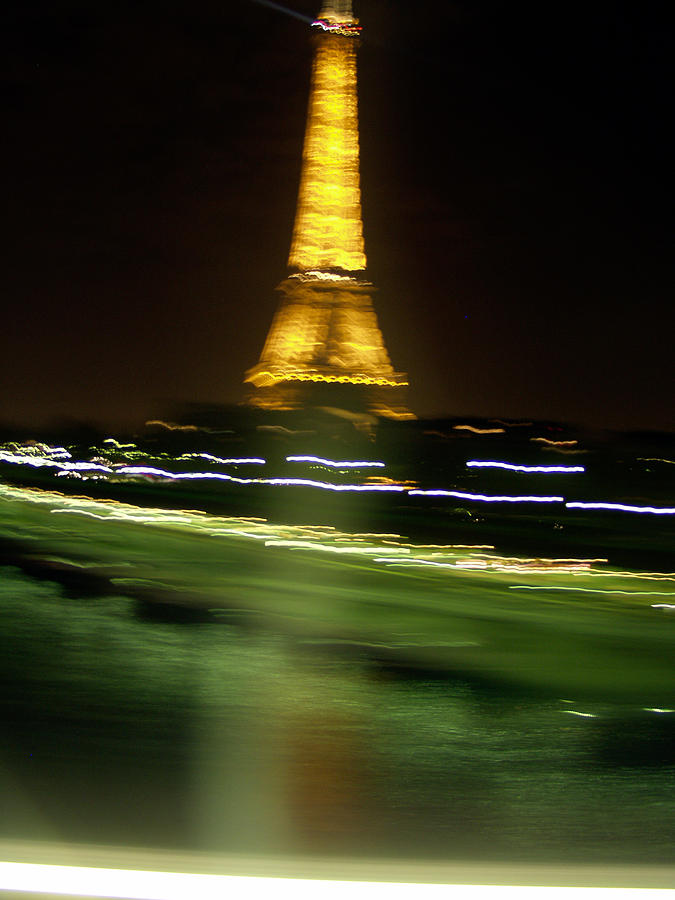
325,331
328,233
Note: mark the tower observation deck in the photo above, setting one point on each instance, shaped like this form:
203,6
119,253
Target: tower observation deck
324,346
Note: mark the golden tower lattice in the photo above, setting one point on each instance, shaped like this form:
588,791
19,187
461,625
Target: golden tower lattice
325,344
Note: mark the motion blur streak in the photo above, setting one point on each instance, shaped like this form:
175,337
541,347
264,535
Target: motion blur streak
543,440
284,9
171,426
40,461
654,510
515,468
163,473
479,430
289,482
485,499
581,590
237,461
317,537
336,464
302,482
142,885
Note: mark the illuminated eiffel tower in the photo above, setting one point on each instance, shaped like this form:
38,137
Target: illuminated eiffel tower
325,346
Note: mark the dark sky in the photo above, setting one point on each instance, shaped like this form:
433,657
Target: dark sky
517,200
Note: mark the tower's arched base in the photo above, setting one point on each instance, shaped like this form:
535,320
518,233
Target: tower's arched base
387,402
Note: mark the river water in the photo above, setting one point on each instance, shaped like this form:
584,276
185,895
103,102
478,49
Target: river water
222,736
177,680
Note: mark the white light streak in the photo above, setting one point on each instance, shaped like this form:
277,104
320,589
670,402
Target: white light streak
288,482
38,462
336,464
483,498
303,482
237,461
517,468
148,885
622,507
478,430
536,587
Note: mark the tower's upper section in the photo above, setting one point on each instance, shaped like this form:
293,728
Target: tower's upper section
337,12
328,232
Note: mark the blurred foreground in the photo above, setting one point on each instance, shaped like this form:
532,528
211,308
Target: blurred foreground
212,644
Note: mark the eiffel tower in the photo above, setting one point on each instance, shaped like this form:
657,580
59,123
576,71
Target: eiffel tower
325,346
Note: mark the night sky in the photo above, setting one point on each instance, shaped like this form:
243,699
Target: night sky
517,198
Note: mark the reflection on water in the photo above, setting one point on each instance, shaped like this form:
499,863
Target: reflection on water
218,734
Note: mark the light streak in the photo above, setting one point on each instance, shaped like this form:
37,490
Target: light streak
171,426
479,430
574,712
117,444
38,462
238,461
543,440
389,550
656,709
141,884
484,498
37,449
328,548
581,590
670,462
296,482
335,464
517,468
302,482
284,9
622,507
504,565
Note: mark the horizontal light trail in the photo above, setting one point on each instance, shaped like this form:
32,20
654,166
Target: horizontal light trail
164,473
116,444
485,464
43,456
543,440
484,498
303,482
238,461
38,462
284,9
289,482
328,548
478,430
622,507
137,884
580,590
336,464
381,549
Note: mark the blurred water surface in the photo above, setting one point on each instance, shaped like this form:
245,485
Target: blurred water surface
182,680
